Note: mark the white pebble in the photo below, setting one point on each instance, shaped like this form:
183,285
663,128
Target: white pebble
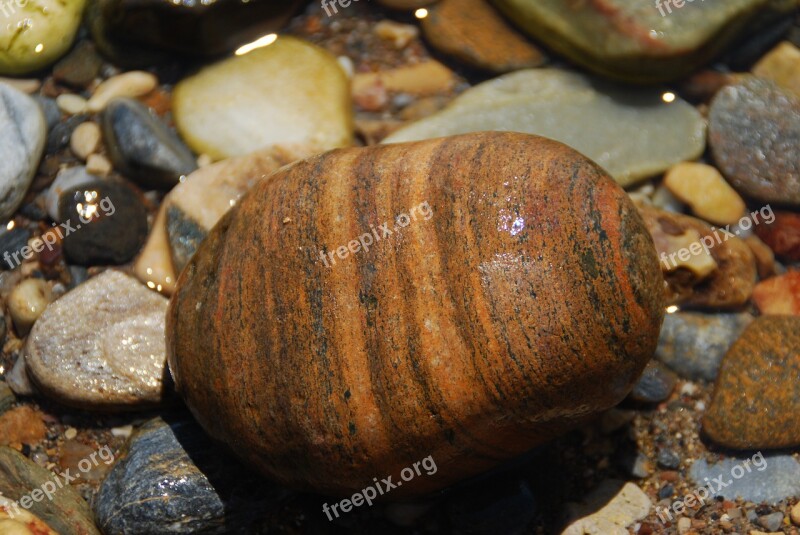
129,84
71,104
26,303
26,85
85,140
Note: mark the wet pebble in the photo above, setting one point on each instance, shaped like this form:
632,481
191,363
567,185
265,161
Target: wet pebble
80,67
668,459
770,478
27,301
317,109
693,343
609,509
7,397
59,137
704,189
21,425
779,295
771,522
781,65
475,33
85,140
757,396
754,131
12,241
782,235
128,84
655,385
142,147
173,480
101,346
645,137
21,145
67,512
108,223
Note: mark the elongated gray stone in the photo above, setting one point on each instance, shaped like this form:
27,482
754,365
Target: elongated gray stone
758,478
23,132
632,133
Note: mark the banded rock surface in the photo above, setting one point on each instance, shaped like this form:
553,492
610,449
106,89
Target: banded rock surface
526,303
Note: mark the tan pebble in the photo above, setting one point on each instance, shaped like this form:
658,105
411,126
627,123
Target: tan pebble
795,514
782,65
98,165
399,34
154,265
765,258
684,525
129,84
70,433
704,189
27,301
85,140
426,78
71,104
26,85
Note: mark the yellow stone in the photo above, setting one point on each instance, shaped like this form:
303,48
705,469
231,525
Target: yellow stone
782,65
704,189
286,92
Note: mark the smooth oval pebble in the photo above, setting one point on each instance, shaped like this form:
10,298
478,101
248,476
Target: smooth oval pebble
782,235
128,84
85,140
21,146
35,34
704,189
632,133
142,147
754,133
27,301
522,297
287,92
101,345
757,395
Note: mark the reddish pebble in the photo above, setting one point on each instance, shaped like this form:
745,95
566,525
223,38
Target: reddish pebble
779,295
782,235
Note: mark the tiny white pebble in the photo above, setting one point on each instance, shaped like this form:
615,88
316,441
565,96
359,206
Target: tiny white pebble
347,65
204,160
70,433
124,431
71,104
26,85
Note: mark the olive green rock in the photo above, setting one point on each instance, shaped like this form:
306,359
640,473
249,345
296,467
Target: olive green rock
640,40
34,34
633,133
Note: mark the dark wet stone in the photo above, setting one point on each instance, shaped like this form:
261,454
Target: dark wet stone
770,478
655,384
173,480
109,229
52,115
667,491
668,459
142,147
12,241
80,67
67,513
500,505
756,399
754,133
693,343
7,397
192,28
59,136
185,236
